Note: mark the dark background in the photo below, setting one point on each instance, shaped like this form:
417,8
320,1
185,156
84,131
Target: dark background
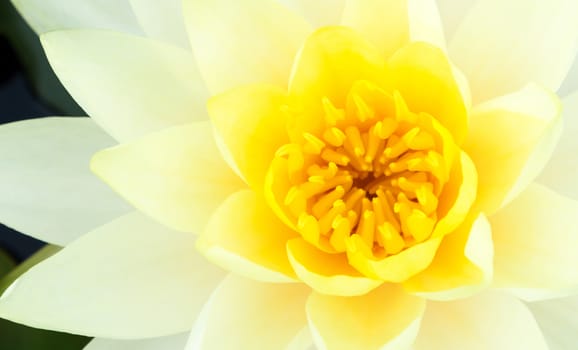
28,89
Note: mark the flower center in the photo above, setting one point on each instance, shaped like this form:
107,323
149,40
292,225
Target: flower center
373,169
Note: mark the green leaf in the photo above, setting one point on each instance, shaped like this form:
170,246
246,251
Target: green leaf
6,263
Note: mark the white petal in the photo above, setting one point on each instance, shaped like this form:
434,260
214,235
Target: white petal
535,239
452,13
561,172
244,314
48,15
571,83
243,42
503,45
318,13
162,20
485,322
47,188
129,85
173,342
558,321
129,279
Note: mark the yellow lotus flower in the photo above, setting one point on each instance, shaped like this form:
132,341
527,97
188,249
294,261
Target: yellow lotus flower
359,185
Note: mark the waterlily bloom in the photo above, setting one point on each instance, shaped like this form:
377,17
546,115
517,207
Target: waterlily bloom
354,182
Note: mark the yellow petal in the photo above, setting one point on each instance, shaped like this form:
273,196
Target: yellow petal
327,273
252,125
437,92
486,321
50,15
535,244
42,175
511,139
395,268
561,171
244,314
385,319
244,236
177,176
162,20
99,284
384,23
331,60
457,197
462,265
235,43
545,34
319,13
122,81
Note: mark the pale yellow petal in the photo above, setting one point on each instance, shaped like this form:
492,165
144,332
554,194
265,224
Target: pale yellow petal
245,236
462,266
327,273
129,279
561,171
385,319
510,141
243,42
162,20
176,176
49,15
483,322
244,314
129,85
320,12
535,240
252,126
452,14
172,342
558,321
47,189
384,23
425,23
504,45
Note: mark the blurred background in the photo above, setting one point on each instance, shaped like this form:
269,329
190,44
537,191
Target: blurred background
28,89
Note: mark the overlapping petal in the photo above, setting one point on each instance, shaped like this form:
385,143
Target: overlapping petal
245,42
49,15
47,188
177,176
244,314
558,321
545,34
486,321
535,245
462,265
318,13
162,20
437,93
93,287
252,126
173,342
327,273
385,318
117,78
510,141
246,237
561,171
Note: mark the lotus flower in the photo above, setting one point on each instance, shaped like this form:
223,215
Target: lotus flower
302,173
